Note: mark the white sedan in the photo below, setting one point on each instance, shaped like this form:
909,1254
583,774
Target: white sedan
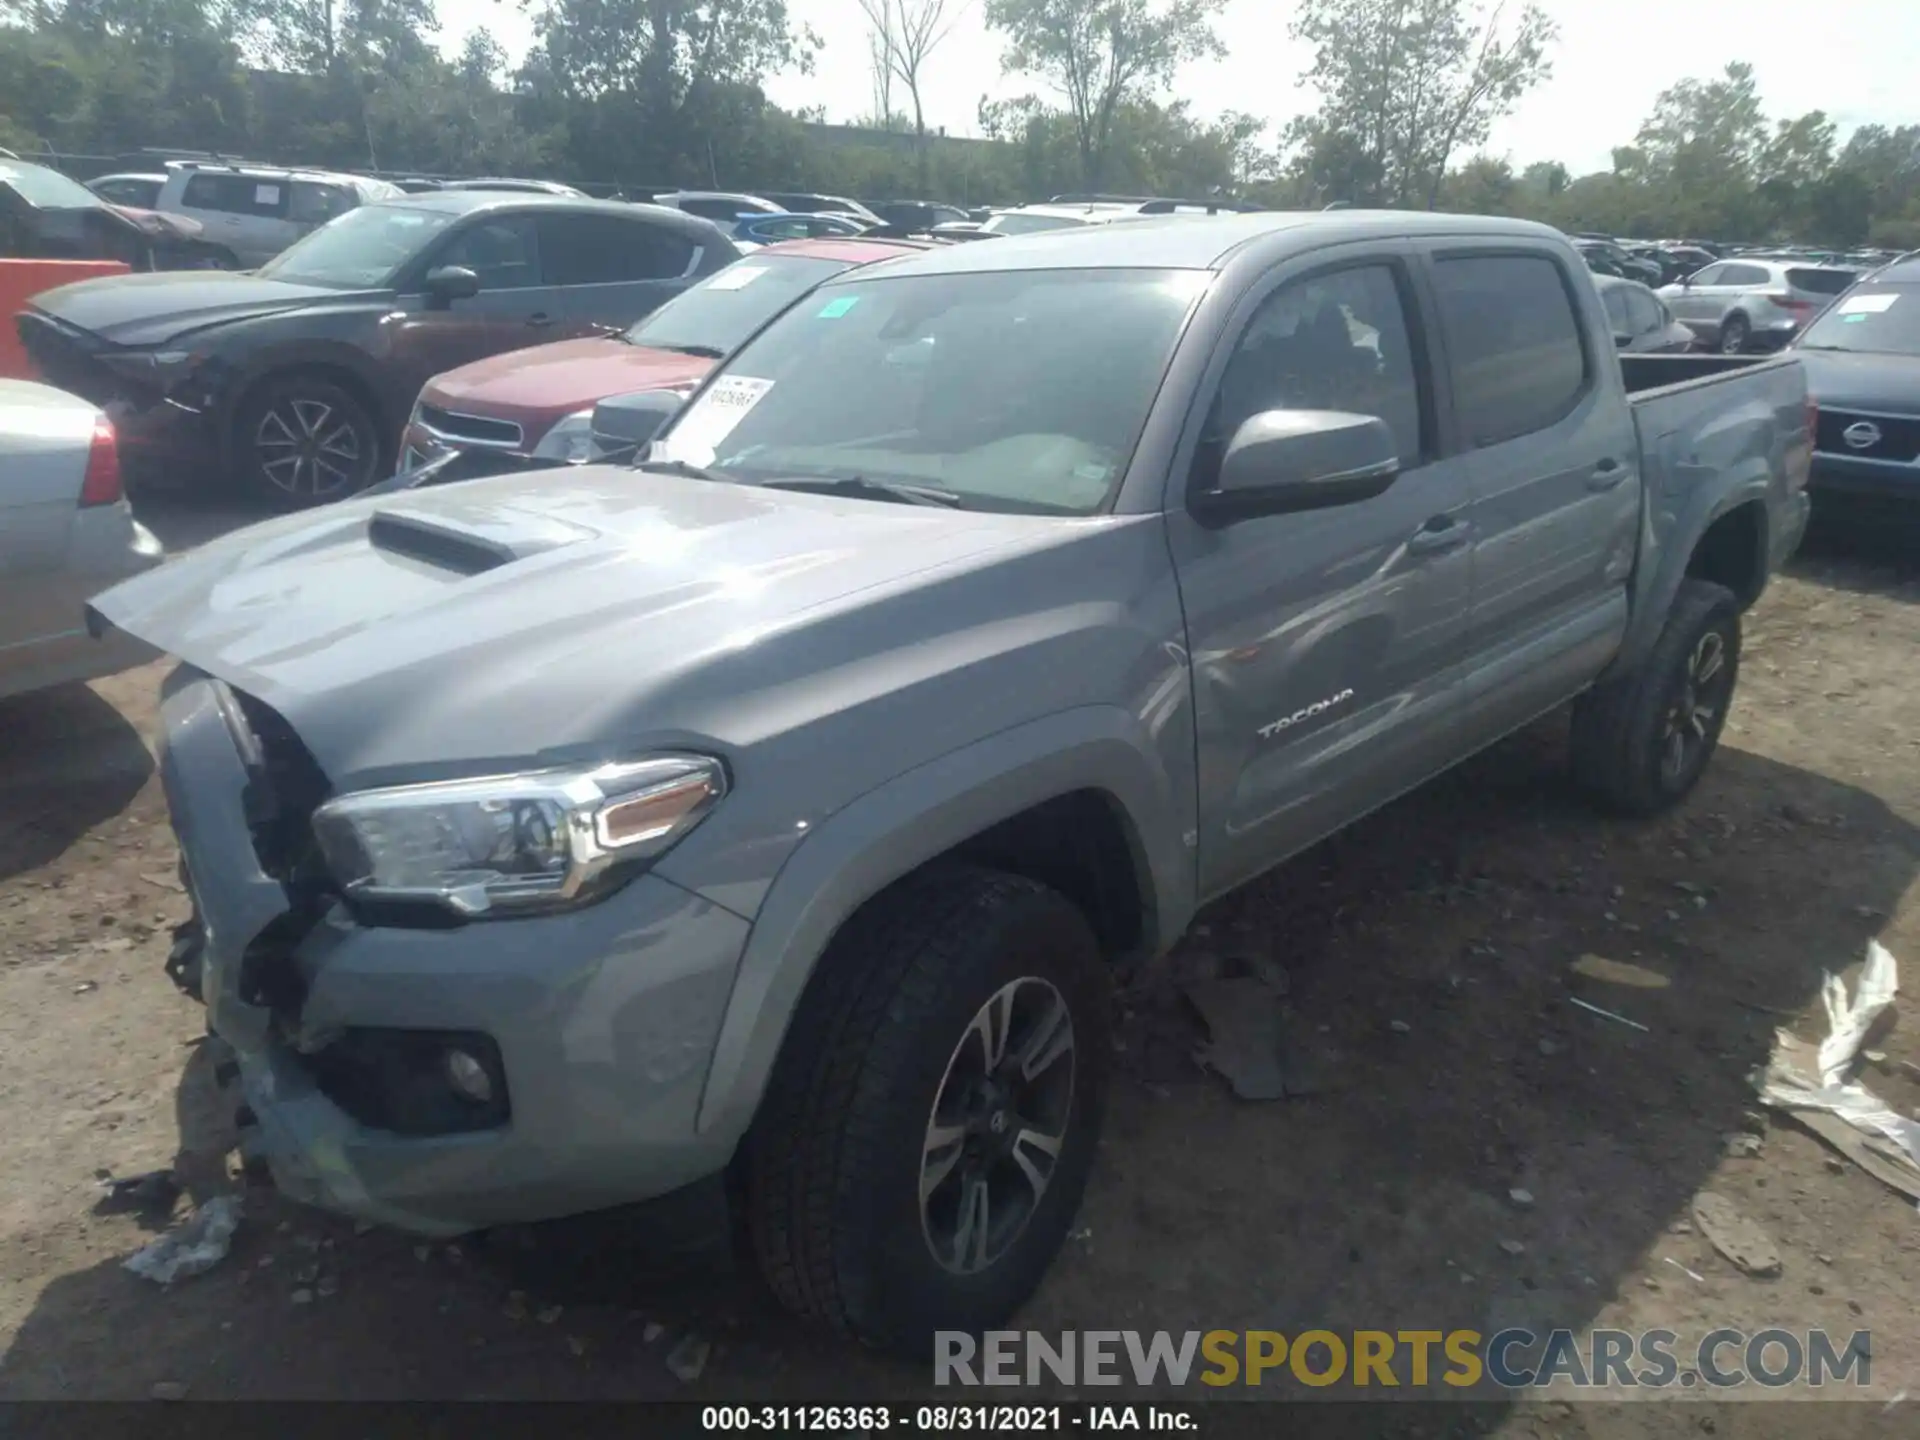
66,533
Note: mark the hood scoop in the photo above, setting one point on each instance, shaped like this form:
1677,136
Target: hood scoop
469,546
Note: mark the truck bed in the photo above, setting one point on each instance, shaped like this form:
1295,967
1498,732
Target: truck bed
1716,432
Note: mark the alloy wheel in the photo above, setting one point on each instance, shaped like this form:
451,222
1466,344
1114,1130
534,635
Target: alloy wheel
1697,707
998,1123
309,449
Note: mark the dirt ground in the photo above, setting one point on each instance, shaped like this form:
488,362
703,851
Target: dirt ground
1426,956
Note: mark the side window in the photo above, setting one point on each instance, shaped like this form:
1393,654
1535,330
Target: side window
607,250
315,204
1513,339
207,192
1332,342
501,251
1709,276
723,211
1644,312
1743,275
1614,297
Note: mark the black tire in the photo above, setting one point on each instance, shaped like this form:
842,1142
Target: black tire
1735,335
841,1146
1623,750
301,440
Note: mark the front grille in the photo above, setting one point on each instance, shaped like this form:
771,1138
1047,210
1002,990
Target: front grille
471,429
1899,438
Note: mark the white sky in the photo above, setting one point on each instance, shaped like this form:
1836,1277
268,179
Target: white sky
1855,59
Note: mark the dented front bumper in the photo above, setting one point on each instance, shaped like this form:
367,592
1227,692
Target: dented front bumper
604,1018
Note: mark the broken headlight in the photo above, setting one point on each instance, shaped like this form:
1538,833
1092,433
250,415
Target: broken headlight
515,844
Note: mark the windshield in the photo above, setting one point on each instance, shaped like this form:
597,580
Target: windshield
47,189
1020,391
363,249
722,310
1009,222
1875,319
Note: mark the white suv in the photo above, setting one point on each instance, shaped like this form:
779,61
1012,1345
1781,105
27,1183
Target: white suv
1750,303
256,211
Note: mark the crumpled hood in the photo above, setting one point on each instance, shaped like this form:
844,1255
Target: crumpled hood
550,381
1844,380
545,616
151,309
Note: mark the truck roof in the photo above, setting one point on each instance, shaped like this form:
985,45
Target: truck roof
1206,242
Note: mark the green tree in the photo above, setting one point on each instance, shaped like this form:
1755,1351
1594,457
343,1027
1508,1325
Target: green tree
1099,54
1405,85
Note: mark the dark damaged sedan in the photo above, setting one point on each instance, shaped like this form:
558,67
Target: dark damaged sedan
294,381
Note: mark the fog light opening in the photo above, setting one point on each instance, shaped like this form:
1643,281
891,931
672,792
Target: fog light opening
469,1077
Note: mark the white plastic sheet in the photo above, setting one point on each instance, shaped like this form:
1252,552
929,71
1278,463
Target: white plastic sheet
197,1244
1791,1084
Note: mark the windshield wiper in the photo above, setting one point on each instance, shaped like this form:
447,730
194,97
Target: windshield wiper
681,467
699,352
899,490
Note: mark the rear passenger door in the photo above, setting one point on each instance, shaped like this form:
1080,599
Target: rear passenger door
608,271
1537,403
1327,646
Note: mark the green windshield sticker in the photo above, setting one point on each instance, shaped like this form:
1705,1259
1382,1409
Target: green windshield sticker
834,309
1852,319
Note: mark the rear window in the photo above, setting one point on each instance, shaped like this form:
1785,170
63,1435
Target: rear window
1514,342
1822,282
722,310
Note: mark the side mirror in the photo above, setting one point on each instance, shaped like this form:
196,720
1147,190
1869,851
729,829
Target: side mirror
1621,342
1686,282
626,424
448,283
1281,461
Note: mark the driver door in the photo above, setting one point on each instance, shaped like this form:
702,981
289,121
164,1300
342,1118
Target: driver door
516,307
1327,646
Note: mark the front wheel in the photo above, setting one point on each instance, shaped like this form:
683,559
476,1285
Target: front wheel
1734,335
302,440
1642,741
928,1131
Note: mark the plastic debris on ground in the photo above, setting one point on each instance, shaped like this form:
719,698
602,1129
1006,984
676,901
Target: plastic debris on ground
197,1244
1734,1235
1812,1085
1245,1037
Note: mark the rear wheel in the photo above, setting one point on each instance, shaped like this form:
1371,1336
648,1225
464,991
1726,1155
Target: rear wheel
1735,332
303,440
1642,741
928,1131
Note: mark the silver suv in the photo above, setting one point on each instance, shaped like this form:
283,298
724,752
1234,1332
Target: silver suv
1741,304
253,212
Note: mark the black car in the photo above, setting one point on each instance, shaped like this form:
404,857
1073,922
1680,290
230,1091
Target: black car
294,381
917,216
1862,358
45,215
1642,324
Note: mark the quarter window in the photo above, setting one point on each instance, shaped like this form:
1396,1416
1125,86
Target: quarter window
1513,340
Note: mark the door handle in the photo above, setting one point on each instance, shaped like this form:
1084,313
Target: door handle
539,319
1443,532
1606,474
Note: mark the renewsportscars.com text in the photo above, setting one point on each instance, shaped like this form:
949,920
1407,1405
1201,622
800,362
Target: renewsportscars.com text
1512,1359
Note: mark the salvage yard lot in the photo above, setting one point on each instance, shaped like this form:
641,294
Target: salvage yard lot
1425,959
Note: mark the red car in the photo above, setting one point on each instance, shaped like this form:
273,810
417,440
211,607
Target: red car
533,408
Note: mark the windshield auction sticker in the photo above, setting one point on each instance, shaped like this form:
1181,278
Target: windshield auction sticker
736,277
715,414
1869,304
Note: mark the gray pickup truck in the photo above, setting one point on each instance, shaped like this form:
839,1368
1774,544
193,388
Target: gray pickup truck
767,819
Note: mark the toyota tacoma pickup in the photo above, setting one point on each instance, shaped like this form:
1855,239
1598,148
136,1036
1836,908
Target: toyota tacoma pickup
767,818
